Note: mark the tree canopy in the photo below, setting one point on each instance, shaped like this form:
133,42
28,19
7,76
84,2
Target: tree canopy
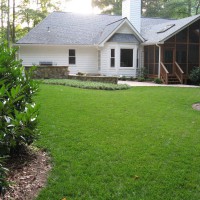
20,16
154,8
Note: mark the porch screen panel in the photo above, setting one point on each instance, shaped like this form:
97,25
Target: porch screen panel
182,36
181,53
151,59
193,56
194,33
146,56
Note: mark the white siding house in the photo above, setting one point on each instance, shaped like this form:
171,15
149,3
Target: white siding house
107,44
117,69
86,58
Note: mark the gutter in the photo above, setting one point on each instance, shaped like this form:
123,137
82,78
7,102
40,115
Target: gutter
57,45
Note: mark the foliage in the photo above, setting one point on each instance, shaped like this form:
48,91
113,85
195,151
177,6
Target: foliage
3,182
23,15
195,75
141,143
154,8
142,73
86,84
18,112
123,78
158,81
109,6
170,8
141,79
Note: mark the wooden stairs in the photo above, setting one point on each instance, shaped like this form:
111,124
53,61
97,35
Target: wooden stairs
172,79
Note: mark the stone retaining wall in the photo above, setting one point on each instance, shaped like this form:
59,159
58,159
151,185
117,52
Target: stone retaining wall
103,79
46,72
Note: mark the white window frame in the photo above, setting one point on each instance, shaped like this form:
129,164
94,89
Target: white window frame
112,58
74,56
122,48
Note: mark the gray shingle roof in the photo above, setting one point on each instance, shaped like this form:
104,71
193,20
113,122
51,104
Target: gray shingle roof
150,32
70,28
76,29
125,38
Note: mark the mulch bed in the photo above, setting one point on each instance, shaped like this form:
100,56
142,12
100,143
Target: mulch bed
27,174
196,106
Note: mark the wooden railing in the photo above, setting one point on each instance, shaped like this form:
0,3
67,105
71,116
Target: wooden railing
178,72
163,73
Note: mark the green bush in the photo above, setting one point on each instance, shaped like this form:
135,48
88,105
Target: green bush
158,81
195,75
18,112
86,84
141,79
122,78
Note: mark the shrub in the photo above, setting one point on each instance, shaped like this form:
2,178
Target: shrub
195,75
18,112
141,79
87,84
122,78
158,81
142,73
132,78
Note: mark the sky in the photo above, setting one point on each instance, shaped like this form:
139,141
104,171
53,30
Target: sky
80,6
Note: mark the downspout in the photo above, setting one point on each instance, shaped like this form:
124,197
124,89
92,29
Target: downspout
98,59
159,60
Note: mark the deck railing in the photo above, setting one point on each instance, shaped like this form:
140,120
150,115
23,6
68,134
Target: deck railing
164,73
178,72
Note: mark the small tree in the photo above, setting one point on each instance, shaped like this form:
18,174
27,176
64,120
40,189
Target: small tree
195,75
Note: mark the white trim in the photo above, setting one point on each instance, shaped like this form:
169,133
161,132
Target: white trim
159,60
113,57
120,67
137,34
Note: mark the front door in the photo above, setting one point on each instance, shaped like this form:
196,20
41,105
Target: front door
169,59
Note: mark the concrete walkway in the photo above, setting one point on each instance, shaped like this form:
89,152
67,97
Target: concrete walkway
136,84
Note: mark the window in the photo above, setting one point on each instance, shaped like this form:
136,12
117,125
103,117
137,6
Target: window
112,58
126,58
72,56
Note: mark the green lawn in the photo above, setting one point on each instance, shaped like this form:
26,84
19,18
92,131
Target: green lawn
136,144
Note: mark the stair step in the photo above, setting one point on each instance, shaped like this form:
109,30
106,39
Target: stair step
172,79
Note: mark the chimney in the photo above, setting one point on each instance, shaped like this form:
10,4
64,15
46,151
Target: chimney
132,10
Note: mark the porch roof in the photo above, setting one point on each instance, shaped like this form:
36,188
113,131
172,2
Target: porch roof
155,34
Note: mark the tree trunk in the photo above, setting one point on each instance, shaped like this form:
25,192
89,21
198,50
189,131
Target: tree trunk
13,25
2,17
197,7
189,8
8,24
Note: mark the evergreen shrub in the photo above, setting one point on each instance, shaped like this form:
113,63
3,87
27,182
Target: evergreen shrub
195,76
18,112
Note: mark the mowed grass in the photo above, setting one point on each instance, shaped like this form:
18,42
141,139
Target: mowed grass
142,143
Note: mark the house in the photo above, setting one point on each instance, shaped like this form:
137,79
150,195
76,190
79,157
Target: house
115,45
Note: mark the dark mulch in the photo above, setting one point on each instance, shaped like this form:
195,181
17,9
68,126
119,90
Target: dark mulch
28,174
